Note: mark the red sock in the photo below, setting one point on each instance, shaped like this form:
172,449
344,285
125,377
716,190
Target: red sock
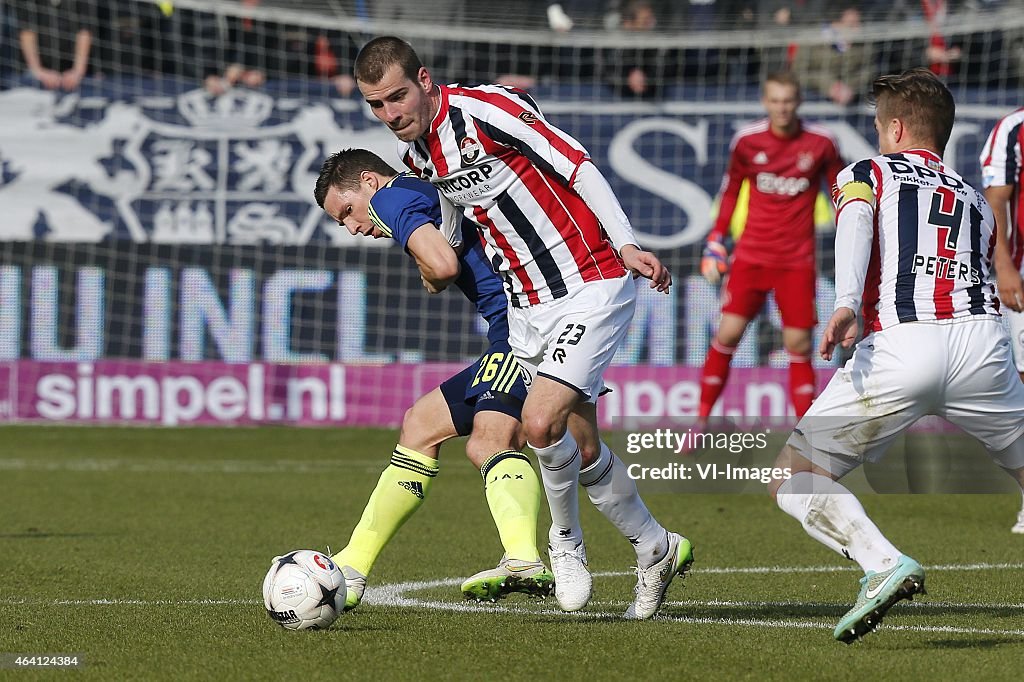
712,380
801,382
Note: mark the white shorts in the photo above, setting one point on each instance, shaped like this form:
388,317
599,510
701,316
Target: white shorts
1015,326
572,339
961,371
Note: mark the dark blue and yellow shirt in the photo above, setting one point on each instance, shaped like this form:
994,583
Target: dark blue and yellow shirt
407,203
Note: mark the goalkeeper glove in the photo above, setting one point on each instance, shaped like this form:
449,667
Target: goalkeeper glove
714,261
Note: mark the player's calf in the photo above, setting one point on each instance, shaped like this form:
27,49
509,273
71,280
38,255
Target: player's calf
513,497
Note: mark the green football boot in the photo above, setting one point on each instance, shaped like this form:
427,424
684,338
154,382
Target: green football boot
355,585
510,575
878,593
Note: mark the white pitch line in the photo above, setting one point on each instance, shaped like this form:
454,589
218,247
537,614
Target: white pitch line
807,624
391,595
395,595
727,570
473,607
938,605
131,602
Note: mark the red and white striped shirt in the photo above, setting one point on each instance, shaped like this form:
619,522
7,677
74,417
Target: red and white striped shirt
1002,165
490,151
914,242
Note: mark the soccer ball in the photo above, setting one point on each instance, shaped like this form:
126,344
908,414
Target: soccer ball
304,590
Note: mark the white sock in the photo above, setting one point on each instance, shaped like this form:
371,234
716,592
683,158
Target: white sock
614,493
833,516
560,473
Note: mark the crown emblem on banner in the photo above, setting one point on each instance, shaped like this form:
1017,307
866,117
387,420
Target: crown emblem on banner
233,110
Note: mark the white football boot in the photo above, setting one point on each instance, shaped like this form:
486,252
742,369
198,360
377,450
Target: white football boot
573,582
652,582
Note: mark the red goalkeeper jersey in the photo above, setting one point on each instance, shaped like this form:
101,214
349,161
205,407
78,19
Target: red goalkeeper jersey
785,177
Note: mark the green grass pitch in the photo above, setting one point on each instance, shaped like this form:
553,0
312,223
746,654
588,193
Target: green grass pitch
143,550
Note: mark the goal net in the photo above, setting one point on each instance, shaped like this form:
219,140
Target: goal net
162,258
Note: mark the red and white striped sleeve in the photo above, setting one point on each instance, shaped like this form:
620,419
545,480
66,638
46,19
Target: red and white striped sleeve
1001,155
855,200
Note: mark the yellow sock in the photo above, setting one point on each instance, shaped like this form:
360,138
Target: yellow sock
400,491
513,495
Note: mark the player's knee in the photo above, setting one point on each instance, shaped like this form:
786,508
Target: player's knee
541,431
538,433
415,424
798,347
476,450
729,338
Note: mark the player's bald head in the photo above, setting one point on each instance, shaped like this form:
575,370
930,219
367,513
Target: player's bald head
920,100
343,169
380,54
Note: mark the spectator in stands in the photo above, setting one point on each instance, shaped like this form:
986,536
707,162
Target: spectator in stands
1015,59
158,38
840,66
56,39
934,51
524,65
703,15
254,51
140,39
745,63
448,59
781,14
558,20
565,15
333,55
639,72
250,46
751,15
